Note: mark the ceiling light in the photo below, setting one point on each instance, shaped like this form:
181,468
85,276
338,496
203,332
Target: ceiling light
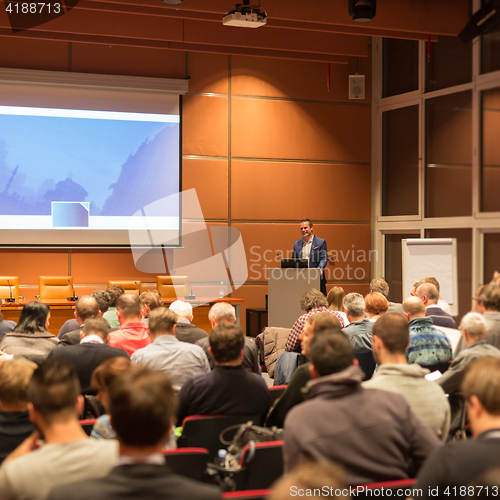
362,11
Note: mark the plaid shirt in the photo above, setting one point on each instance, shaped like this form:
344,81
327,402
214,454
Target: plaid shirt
293,342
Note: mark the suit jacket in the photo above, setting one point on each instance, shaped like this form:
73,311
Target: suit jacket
318,256
189,333
137,481
86,358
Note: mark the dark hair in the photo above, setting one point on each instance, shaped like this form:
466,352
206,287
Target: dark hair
87,307
161,320
115,291
96,326
142,405
392,329
331,352
107,371
226,342
129,305
103,299
54,389
33,318
307,220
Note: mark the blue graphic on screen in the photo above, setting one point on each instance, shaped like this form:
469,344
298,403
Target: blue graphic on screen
114,167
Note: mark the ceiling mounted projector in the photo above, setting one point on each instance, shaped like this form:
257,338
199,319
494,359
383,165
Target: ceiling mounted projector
245,16
362,11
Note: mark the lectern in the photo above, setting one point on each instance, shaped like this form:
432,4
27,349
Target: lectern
285,287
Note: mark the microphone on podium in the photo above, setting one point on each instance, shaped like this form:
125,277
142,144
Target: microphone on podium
74,298
10,299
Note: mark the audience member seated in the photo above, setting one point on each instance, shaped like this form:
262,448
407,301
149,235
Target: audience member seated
359,332
103,300
473,330
185,331
381,286
86,307
115,292
375,305
179,360
413,292
67,455
429,295
428,401
293,394
487,303
31,337
150,300
92,350
222,312
335,300
142,405
228,389
312,302
101,381
6,326
428,345
311,477
441,302
15,425
459,463
133,334
372,434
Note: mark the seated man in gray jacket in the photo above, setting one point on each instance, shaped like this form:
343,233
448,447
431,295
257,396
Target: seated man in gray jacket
373,434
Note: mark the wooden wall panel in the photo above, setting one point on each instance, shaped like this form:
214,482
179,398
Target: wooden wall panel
30,264
205,125
208,73
300,130
279,78
131,61
350,244
210,179
254,195
33,54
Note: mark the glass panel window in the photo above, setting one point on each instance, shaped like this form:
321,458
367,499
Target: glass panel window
450,63
400,66
490,150
491,253
400,161
394,264
448,136
490,52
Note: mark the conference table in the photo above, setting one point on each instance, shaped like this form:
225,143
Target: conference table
62,310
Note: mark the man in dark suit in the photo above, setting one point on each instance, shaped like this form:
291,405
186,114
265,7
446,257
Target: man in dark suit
86,307
429,295
142,408
89,353
313,248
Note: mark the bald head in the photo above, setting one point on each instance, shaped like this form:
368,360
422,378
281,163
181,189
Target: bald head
428,293
128,308
86,307
413,308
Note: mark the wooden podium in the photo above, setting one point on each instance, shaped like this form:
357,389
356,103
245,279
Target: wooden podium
285,288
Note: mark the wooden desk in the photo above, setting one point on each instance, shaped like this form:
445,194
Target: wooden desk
62,310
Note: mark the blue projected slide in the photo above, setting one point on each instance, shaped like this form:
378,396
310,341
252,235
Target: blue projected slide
85,170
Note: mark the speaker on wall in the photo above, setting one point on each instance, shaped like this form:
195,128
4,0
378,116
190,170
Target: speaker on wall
356,86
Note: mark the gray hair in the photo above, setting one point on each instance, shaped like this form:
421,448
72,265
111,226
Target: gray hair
474,324
354,304
222,311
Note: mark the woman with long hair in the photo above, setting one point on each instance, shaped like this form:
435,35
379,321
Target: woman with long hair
335,299
31,338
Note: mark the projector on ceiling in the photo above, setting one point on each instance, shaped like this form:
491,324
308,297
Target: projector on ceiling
245,16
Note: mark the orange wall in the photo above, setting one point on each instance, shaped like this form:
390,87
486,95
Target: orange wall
264,144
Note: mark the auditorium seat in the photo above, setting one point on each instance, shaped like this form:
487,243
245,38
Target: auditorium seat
5,289
203,430
398,489
172,287
134,287
188,462
262,464
275,392
55,287
247,494
88,425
